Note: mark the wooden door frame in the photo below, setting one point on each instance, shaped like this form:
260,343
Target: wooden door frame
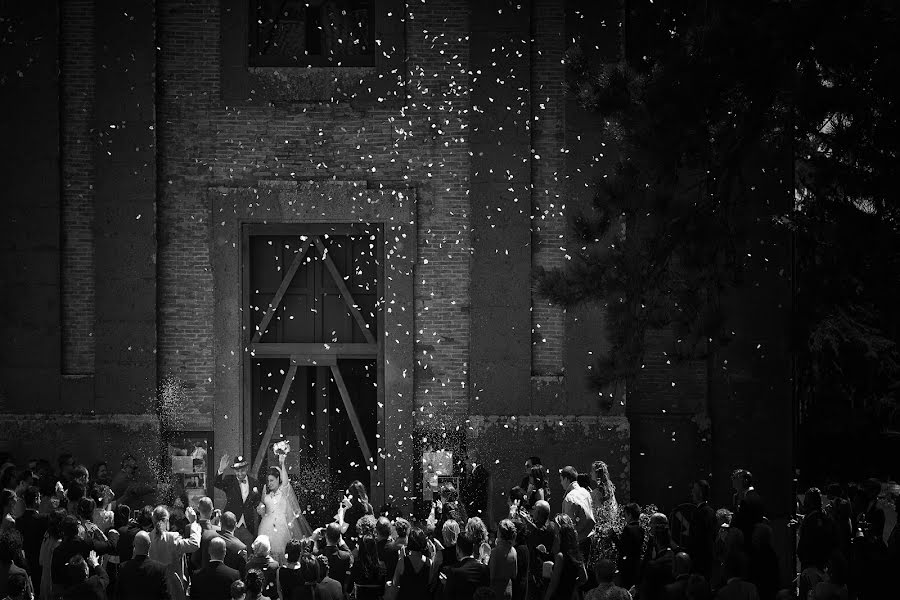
300,354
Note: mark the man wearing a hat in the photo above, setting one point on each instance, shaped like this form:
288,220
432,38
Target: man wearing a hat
243,496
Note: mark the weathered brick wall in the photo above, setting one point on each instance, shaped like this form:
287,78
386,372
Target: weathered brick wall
547,176
203,143
30,355
77,97
90,438
437,46
187,34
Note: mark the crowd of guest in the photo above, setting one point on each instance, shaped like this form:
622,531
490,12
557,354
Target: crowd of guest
844,548
73,533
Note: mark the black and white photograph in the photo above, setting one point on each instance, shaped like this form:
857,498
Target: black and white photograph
449,300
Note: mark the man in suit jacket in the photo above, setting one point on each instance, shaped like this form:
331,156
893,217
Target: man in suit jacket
893,543
681,569
207,533
340,560
469,574
736,588
243,496
82,585
213,582
72,545
128,489
127,533
32,525
817,533
870,561
17,586
10,550
703,529
631,541
327,588
741,483
235,549
871,489
142,578
477,489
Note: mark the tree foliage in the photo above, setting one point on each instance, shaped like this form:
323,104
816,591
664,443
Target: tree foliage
736,121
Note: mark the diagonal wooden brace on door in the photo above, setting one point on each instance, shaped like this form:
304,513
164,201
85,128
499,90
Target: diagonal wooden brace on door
276,300
345,293
273,420
351,414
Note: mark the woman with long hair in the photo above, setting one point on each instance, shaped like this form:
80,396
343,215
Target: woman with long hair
169,548
101,473
121,517
448,507
537,486
606,508
445,555
412,577
353,507
368,573
504,561
282,519
569,572
51,540
103,516
608,518
8,502
478,532
8,475
523,562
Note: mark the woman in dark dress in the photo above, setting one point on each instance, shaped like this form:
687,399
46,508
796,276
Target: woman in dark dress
290,579
367,573
448,559
569,572
520,582
354,506
412,578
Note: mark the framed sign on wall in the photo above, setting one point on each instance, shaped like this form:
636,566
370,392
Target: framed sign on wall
436,465
189,456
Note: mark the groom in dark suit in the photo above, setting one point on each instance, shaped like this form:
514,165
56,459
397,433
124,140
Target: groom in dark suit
243,497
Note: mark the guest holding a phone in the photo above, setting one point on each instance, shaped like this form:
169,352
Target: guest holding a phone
354,505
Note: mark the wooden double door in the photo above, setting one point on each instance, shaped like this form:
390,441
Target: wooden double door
313,369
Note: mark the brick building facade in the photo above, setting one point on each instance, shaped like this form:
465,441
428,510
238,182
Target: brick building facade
455,137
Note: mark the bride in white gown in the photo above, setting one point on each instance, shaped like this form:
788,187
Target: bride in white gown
282,519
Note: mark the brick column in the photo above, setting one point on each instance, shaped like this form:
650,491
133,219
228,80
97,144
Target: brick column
125,201
547,176
500,346
77,75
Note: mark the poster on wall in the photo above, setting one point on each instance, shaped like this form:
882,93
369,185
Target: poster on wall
188,456
435,466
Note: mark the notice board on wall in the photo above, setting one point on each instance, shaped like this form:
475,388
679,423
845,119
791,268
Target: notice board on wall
189,455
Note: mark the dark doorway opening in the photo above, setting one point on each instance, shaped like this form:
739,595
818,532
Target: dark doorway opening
313,367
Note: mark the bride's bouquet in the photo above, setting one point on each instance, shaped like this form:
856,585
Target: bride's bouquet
282,447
